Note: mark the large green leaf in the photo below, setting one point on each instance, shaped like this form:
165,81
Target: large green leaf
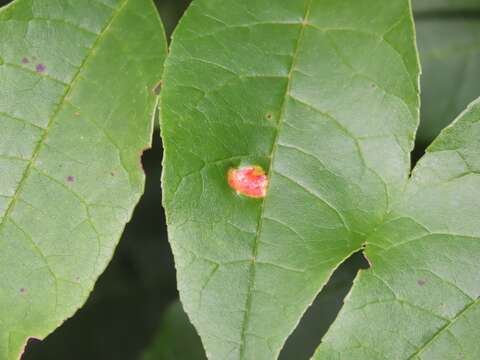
420,299
324,96
450,54
76,106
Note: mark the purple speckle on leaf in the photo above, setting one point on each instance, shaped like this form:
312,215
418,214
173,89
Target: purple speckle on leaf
70,178
25,60
40,68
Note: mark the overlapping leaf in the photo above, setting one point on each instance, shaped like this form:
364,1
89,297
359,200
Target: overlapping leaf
76,109
324,96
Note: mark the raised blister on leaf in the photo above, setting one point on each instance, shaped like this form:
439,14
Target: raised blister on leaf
249,181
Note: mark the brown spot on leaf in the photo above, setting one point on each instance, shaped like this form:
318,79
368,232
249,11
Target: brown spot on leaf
40,68
23,290
76,113
25,60
269,116
70,178
421,282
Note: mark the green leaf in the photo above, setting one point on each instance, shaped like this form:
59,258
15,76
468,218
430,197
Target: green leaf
450,55
176,338
76,110
323,96
420,299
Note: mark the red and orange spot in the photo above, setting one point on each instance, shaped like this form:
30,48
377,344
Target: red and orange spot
250,181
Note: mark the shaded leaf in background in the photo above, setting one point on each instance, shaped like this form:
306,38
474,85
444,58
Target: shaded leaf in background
76,108
444,5
449,46
171,11
325,98
176,338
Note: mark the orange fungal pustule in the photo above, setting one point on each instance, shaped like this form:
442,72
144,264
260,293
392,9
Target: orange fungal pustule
250,181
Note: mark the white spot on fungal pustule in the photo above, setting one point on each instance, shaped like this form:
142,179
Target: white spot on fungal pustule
250,181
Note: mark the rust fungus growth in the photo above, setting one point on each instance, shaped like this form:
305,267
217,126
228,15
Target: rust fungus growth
250,181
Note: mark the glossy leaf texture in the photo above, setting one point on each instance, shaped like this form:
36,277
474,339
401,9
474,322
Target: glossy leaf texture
420,299
324,97
450,57
76,112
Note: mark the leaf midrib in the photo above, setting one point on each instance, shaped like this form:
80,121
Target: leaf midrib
252,270
52,119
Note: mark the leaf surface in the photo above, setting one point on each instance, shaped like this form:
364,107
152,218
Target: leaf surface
76,110
420,299
322,96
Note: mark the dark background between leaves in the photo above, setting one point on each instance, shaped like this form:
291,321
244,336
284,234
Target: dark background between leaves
134,305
